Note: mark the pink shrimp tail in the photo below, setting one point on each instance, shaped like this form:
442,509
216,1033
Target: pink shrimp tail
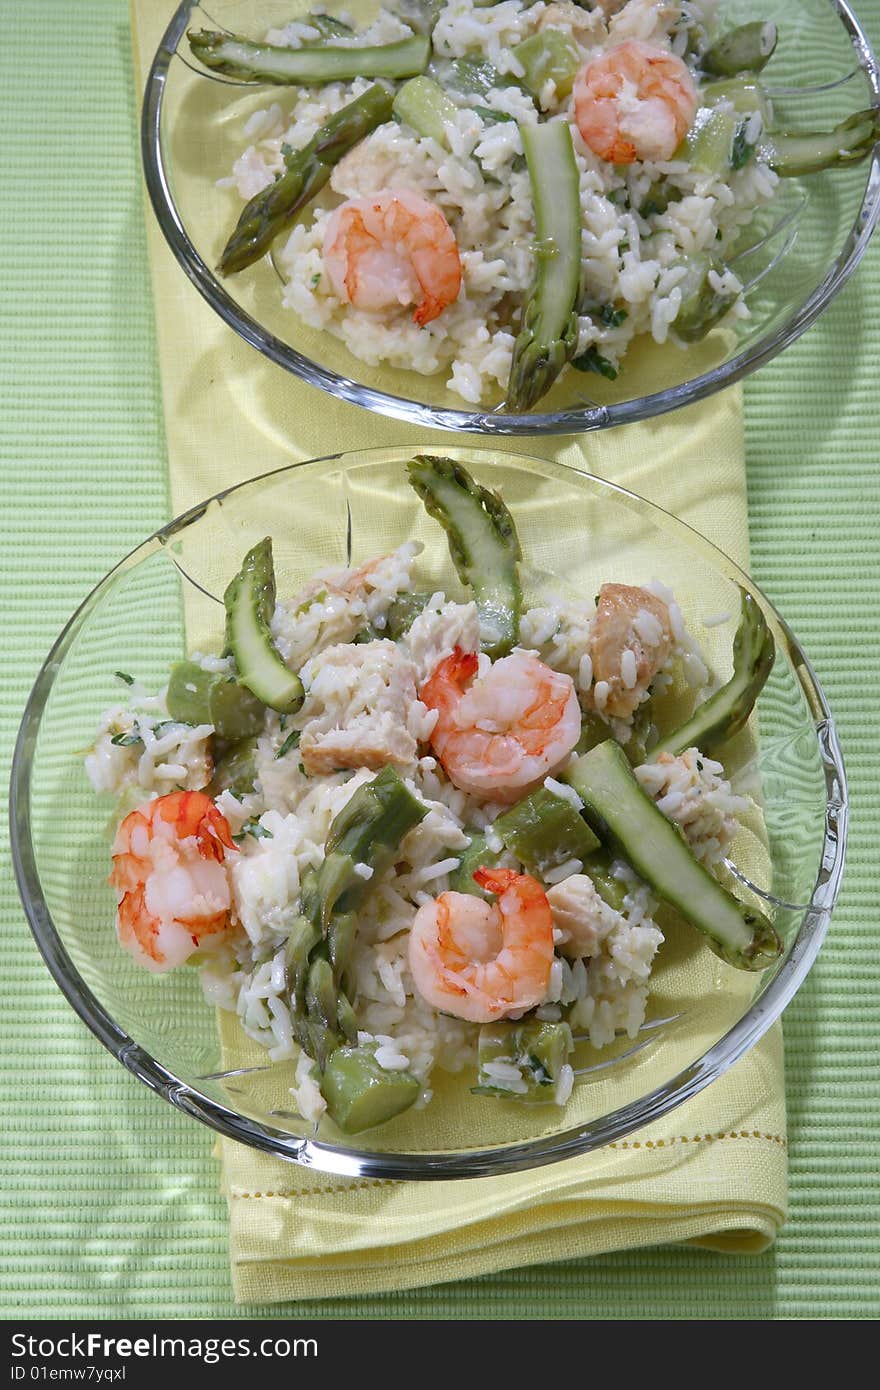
497,880
449,679
194,813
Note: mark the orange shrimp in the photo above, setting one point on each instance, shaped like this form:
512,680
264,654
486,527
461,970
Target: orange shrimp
501,736
170,878
634,102
390,249
484,961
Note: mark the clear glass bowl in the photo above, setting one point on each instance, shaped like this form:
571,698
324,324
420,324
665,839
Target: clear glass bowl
577,531
814,233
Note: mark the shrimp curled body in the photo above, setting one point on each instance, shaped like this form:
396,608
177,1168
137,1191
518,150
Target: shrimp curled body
171,882
501,736
483,961
393,248
634,102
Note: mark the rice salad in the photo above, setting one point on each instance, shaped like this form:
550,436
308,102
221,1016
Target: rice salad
397,872
653,231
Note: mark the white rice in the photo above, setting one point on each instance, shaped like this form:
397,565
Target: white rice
631,262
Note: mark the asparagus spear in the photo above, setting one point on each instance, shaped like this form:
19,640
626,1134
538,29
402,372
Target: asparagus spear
543,831
196,696
307,170
791,155
264,62
403,612
702,307
747,48
366,832
250,603
549,335
548,56
539,1050
728,710
483,544
360,1093
628,822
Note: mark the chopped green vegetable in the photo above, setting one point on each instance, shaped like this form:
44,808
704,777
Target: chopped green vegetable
361,1094
124,677
543,831
327,26
425,107
126,740
235,768
253,827
250,603
728,710
539,1050
852,140
628,822
196,696
366,833
316,64
483,544
307,170
548,56
702,307
478,855
549,335
402,613
748,48
592,361
291,742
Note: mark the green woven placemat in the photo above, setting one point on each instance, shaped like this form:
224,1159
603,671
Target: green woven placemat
108,1197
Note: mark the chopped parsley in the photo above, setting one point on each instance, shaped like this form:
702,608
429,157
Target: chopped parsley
124,676
291,742
593,361
253,827
126,740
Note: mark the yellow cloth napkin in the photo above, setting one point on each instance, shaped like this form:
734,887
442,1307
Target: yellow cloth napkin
714,1171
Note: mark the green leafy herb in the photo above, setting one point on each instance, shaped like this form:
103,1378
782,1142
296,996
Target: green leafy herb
593,361
611,317
126,740
124,676
292,741
253,827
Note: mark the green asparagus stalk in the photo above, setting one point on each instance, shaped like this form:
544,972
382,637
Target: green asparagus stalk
747,48
702,307
360,1093
791,155
543,831
250,602
539,1050
548,56
423,105
264,62
728,710
196,696
483,544
478,855
630,825
549,335
270,212
403,612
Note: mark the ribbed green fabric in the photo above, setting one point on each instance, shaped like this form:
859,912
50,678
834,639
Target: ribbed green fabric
108,1198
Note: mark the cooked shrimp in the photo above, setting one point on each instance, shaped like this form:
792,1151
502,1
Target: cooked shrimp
484,961
503,734
634,102
390,249
630,642
168,871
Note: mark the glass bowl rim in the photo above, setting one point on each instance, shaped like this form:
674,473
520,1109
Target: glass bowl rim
350,1161
567,421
